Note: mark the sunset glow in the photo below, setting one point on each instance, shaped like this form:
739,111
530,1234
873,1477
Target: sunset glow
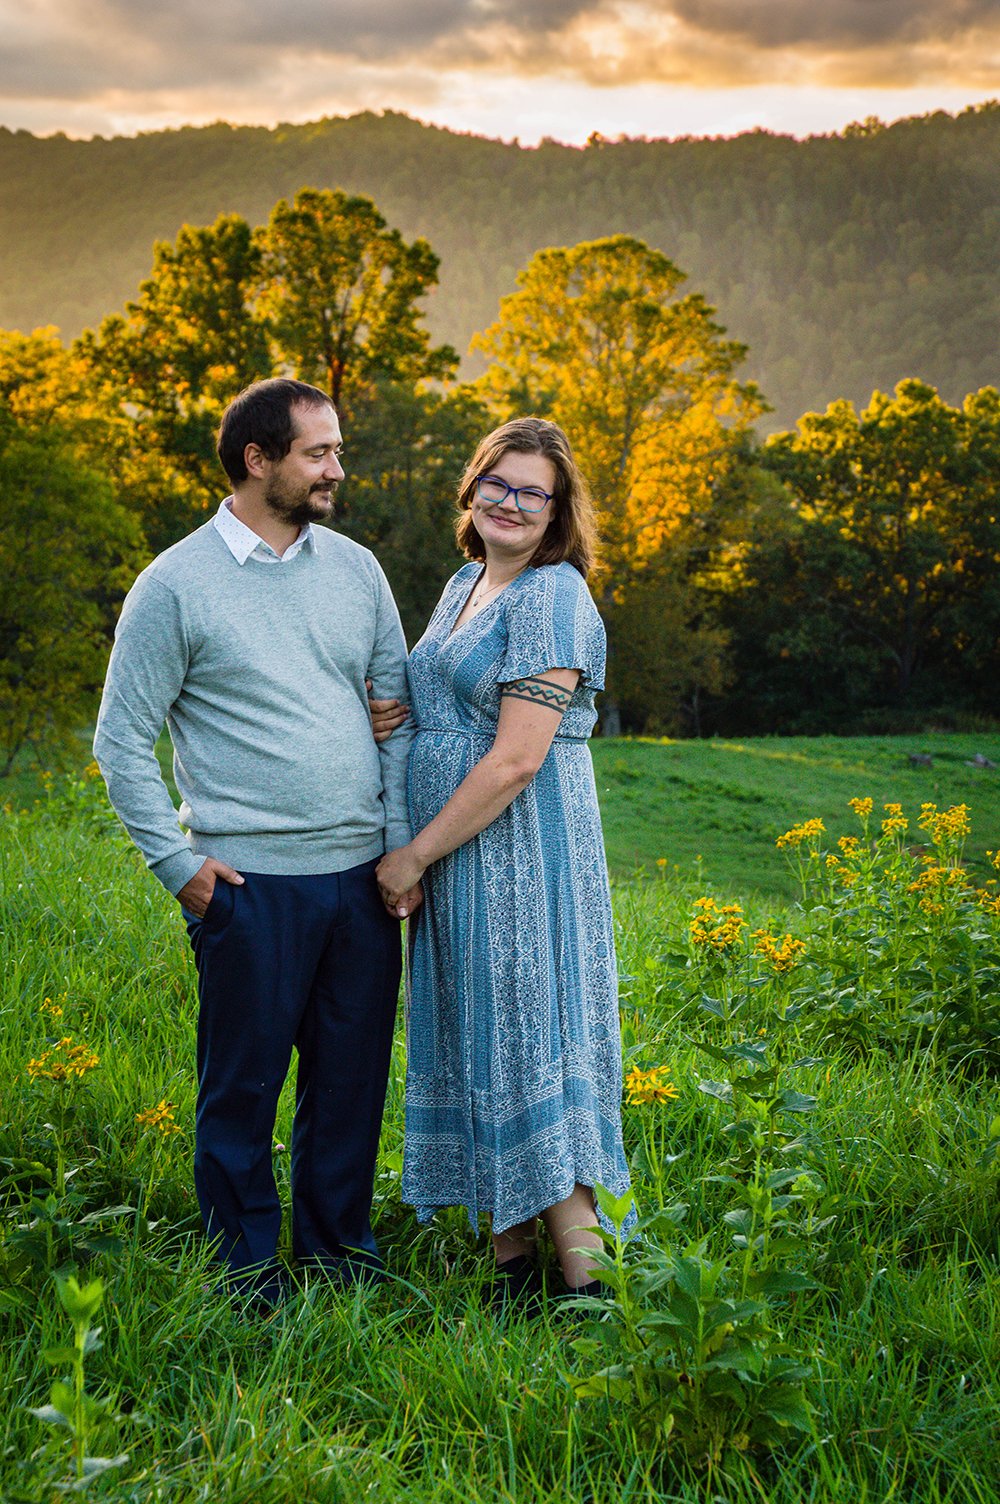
506,68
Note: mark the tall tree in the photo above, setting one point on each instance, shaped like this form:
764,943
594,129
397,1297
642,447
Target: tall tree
176,356
341,292
599,338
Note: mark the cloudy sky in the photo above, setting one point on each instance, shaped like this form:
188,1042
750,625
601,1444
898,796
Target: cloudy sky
508,68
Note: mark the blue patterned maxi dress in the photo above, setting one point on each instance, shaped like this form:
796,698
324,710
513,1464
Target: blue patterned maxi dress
513,1090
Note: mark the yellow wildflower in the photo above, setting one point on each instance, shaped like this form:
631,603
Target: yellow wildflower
849,845
946,824
92,771
66,1061
649,1086
994,857
933,883
807,831
54,1010
782,954
160,1117
895,822
988,901
717,927
661,862
861,807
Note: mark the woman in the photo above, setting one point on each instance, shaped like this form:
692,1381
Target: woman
514,1056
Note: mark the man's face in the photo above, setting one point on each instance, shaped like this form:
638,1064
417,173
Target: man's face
300,488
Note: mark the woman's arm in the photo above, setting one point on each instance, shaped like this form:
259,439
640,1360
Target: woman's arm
530,713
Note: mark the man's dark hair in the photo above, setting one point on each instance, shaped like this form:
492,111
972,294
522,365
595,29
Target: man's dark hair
262,415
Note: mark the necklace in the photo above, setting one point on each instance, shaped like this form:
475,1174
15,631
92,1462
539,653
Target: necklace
480,595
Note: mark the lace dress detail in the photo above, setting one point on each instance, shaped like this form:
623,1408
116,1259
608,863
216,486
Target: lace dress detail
514,1059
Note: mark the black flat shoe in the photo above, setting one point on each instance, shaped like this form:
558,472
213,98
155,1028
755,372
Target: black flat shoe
591,1288
517,1286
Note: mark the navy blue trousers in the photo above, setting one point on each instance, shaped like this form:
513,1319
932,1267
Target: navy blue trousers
311,963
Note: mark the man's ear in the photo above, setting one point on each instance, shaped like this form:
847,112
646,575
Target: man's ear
255,460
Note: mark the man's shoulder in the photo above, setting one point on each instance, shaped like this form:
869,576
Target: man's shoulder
186,558
339,551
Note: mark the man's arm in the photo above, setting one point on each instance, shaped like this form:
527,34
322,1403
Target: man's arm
387,672
145,675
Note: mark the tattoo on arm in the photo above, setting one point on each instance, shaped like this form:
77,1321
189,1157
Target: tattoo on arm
538,692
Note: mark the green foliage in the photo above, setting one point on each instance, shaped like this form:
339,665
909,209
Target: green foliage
880,567
340,293
173,360
67,550
70,1407
405,451
698,1368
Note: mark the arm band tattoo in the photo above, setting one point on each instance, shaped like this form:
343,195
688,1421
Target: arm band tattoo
538,692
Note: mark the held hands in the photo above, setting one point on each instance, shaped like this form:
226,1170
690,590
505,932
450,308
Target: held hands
196,894
398,876
386,715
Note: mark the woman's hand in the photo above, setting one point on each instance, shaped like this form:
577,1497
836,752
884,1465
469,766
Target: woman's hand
386,715
398,876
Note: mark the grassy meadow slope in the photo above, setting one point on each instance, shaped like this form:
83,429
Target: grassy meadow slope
812,1122
844,262
719,806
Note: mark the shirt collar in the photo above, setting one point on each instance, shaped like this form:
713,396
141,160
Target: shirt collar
242,541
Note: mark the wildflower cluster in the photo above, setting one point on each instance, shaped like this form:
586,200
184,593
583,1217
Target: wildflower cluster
781,955
806,833
895,822
652,1085
946,825
717,927
66,1061
861,807
933,884
160,1118
54,1010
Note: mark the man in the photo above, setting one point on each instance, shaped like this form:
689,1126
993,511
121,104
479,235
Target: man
253,638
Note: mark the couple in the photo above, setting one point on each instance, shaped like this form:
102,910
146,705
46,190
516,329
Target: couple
253,638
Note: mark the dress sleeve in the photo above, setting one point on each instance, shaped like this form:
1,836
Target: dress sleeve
553,623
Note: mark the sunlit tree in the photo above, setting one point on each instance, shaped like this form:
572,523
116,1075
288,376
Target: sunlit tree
600,338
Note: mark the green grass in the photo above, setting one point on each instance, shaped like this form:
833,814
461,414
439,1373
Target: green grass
719,806
413,1393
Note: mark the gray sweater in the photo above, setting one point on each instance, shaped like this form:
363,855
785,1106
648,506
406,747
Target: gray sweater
259,672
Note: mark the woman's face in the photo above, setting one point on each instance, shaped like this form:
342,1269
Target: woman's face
510,534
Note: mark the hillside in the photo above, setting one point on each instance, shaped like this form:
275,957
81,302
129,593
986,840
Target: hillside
844,262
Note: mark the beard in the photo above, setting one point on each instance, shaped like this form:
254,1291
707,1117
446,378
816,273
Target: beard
298,507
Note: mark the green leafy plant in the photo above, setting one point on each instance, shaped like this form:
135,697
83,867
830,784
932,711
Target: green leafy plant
70,1407
700,1368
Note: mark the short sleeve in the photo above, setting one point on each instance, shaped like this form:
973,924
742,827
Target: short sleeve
552,622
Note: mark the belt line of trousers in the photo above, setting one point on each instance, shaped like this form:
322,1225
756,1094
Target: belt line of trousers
311,963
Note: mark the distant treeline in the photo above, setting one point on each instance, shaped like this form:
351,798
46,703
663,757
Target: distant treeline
844,262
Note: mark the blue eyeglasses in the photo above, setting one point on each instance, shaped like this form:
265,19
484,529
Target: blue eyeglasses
526,498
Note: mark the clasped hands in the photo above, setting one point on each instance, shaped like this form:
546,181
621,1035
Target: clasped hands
399,875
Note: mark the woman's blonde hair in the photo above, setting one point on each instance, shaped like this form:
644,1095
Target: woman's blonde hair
572,530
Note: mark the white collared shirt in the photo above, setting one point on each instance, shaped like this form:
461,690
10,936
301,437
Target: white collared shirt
242,541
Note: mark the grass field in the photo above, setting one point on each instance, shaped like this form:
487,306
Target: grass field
814,1313
726,802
